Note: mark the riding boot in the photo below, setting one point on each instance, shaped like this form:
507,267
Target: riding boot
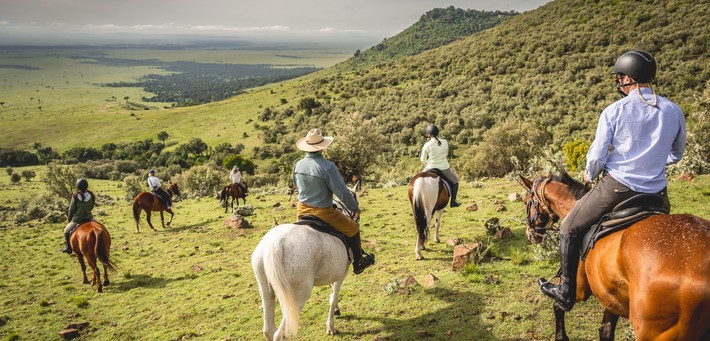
67,248
454,191
565,293
361,260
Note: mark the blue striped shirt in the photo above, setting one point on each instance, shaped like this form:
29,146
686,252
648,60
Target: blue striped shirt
317,179
643,139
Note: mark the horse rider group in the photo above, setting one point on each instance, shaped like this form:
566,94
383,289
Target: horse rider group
636,137
236,177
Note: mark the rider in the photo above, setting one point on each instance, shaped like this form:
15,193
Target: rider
317,179
434,155
156,188
646,132
236,176
82,202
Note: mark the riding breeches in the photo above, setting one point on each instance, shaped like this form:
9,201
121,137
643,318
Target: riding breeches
330,215
598,202
449,174
72,224
163,195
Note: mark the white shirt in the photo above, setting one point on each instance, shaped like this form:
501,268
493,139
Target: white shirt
153,182
434,155
236,177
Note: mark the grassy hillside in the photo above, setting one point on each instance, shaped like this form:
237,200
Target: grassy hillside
435,28
195,279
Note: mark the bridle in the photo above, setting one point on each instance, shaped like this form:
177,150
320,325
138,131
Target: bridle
340,206
537,208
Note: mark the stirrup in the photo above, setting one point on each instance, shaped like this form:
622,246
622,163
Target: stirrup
366,260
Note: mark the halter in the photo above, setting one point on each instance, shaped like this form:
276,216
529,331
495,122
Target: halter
537,198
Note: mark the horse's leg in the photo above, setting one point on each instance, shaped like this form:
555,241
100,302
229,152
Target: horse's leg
268,303
437,223
606,331
106,281
147,218
171,216
301,291
96,278
330,322
162,219
80,257
418,250
560,333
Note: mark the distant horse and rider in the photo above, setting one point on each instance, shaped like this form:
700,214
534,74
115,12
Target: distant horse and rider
234,192
150,202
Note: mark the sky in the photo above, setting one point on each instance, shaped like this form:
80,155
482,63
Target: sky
66,20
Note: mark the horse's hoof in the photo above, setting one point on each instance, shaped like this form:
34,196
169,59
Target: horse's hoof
85,282
337,312
332,331
437,240
106,283
420,257
99,290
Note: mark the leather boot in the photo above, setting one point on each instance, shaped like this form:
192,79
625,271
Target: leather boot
361,260
67,248
454,191
565,293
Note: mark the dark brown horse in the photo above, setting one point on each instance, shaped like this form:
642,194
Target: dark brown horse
428,196
235,192
149,202
656,272
92,240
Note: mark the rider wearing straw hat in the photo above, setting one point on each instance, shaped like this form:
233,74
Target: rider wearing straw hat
317,179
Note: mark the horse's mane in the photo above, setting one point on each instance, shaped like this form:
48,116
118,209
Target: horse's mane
577,188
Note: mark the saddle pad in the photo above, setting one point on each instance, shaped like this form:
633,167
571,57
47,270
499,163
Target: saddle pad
612,222
444,180
321,226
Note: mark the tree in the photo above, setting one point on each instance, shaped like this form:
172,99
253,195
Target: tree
308,104
60,180
356,147
162,136
244,164
126,98
15,178
9,170
357,53
283,101
28,174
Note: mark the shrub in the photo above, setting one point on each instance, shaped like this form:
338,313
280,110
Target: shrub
244,164
28,174
15,178
17,158
575,154
133,185
60,180
356,147
9,170
202,181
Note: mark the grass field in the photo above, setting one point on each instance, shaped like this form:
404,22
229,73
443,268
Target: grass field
194,280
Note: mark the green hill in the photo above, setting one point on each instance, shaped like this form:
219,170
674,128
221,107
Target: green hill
435,28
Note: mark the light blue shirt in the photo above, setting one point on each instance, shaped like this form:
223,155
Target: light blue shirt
317,179
643,139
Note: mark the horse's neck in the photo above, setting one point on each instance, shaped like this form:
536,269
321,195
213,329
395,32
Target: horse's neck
560,199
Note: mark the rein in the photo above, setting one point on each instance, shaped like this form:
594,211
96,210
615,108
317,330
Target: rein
537,199
340,206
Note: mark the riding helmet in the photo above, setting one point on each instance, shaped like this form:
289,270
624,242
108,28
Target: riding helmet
152,171
637,64
82,184
432,130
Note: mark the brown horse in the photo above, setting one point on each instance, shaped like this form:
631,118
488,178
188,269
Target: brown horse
235,192
149,202
428,196
656,272
92,240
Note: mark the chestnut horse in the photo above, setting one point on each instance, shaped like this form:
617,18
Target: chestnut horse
656,272
235,192
92,240
149,202
428,196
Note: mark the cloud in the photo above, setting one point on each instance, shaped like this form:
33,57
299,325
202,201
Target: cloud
4,22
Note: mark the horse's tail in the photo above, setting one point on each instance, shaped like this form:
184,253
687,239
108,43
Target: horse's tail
419,208
275,273
137,210
102,249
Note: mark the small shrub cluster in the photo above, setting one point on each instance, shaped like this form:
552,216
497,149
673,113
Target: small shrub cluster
202,181
60,180
48,207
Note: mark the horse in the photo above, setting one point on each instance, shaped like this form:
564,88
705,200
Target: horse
149,202
289,260
656,273
92,240
235,192
428,196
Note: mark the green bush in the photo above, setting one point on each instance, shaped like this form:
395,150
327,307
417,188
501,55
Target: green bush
8,170
133,185
60,180
202,181
244,164
15,178
575,154
28,174
356,146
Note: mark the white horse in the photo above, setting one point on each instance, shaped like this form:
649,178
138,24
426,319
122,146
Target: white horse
428,197
288,262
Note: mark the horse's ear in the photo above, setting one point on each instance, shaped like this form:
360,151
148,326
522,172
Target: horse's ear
525,182
356,187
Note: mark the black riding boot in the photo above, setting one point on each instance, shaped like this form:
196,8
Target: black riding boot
67,248
565,293
361,260
454,191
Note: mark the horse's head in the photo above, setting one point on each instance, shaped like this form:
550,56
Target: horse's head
340,206
174,189
538,215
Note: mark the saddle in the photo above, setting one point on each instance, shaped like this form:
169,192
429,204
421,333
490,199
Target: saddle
623,215
321,226
444,180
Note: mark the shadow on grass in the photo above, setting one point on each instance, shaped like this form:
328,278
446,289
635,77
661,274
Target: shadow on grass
196,227
146,281
460,320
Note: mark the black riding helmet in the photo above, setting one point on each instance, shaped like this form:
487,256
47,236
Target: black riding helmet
82,184
432,130
637,64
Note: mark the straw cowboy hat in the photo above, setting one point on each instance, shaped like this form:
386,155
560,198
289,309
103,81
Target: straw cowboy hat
314,141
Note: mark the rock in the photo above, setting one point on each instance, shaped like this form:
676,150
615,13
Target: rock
423,333
504,233
430,280
77,325
500,208
497,202
125,248
472,207
196,268
453,241
293,204
279,208
464,253
515,197
237,221
410,281
68,334
449,333
687,176
278,204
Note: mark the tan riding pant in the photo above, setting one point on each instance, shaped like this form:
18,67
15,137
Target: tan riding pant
330,215
449,174
72,224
